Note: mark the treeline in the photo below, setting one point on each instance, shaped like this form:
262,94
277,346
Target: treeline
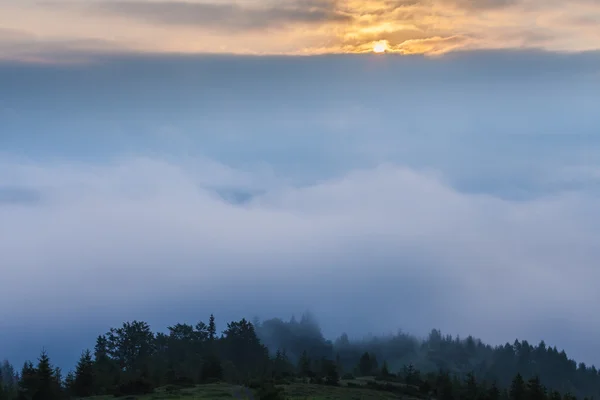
459,356
132,359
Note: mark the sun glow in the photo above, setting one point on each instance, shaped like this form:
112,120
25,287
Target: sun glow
380,47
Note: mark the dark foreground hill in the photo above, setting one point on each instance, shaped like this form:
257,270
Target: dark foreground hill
278,359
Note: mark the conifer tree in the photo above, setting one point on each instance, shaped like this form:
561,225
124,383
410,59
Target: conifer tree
365,364
47,386
70,384
212,328
411,375
535,390
385,371
445,387
470,390
3,391
493,392
304,369
517,388
105,369
27,382
83,385
554,395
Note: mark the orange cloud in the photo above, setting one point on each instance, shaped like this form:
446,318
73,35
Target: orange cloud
303,26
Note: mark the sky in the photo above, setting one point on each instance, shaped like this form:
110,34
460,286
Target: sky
453,185
59,31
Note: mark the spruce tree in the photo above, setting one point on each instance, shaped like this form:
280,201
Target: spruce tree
9,378
3,391
374,365
70,384
27,382
304,369
211,370
365,365
517,388
212,328
471,392
554,395
105,369
83,385
385,371
493,392
535,390
412,376
47,386
445,387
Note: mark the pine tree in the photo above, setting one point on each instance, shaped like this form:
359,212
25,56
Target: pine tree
27,382
304,369
105,369
535,390
517,388
212,328
365,364
445,387
493,392
84,383
385,371
338,363
554,395
412,376
212,370
58,378
70,384
471,391
47,386
281,364
3,391
330,372
374,365
9,378
101,348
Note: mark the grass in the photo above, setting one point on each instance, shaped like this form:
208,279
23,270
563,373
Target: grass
293,391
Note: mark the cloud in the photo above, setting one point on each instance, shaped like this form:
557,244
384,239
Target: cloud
143,232
18,195
229,17
307,27
23,46
482,5
403,183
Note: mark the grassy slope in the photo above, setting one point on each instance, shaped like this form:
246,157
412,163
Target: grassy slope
294,391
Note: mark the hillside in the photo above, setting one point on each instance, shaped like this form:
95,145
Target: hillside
292,360
293,391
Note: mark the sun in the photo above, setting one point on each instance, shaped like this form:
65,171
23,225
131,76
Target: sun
380,47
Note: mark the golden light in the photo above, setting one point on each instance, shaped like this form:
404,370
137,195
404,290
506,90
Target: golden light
380,47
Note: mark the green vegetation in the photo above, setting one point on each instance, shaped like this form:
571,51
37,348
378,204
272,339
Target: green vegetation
277,360
291,391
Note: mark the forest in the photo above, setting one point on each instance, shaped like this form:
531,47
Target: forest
264,356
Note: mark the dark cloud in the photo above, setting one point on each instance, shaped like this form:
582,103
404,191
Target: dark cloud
478,5
464,4
230,17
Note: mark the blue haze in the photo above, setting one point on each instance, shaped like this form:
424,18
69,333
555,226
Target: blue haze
511,137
